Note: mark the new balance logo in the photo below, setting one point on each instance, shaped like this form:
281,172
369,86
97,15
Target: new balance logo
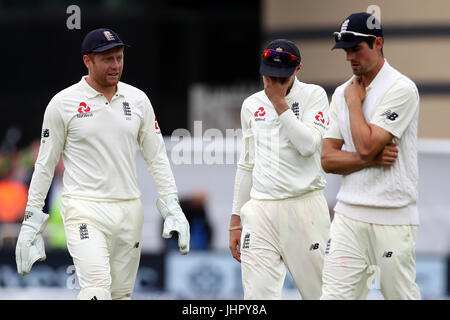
387,254
84,232
246,243
390,115
314,246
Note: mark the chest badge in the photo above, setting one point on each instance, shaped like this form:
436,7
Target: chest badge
126,110
296,109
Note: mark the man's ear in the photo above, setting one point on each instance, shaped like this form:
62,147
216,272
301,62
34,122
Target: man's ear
86,60
379,42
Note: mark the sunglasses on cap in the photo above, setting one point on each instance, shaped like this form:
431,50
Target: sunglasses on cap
279,56
349,35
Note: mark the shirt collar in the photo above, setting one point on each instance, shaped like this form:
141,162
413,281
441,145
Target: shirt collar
120,89
92,93
380,76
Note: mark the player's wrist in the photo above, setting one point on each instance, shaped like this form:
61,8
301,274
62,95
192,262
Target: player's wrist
353,101
280,105
235,223
35,219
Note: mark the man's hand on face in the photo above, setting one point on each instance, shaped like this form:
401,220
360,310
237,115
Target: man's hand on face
276,90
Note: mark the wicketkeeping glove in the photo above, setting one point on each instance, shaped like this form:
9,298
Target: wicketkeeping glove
30,244
174,221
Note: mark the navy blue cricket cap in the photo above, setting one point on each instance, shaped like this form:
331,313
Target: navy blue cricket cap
361,22
280,67
100,40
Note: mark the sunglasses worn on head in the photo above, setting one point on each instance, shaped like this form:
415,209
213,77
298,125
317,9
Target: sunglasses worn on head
279,56
349,35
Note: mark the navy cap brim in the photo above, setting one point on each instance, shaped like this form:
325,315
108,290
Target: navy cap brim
278,71
107,47
347,44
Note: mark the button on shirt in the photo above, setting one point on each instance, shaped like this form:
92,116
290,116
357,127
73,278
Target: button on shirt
98,141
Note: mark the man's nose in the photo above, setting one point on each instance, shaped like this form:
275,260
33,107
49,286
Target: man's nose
115,64
350,55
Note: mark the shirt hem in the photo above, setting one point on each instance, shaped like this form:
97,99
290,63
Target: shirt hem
88,198
407,215
262,196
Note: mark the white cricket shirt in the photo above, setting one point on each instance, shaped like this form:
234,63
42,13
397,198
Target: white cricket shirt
381,195
98,141
282,167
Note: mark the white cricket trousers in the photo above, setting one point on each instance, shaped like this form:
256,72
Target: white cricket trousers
360,252
104,240
284,233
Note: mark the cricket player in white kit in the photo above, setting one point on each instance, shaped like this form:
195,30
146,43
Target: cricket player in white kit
278,194
372,142
96,124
